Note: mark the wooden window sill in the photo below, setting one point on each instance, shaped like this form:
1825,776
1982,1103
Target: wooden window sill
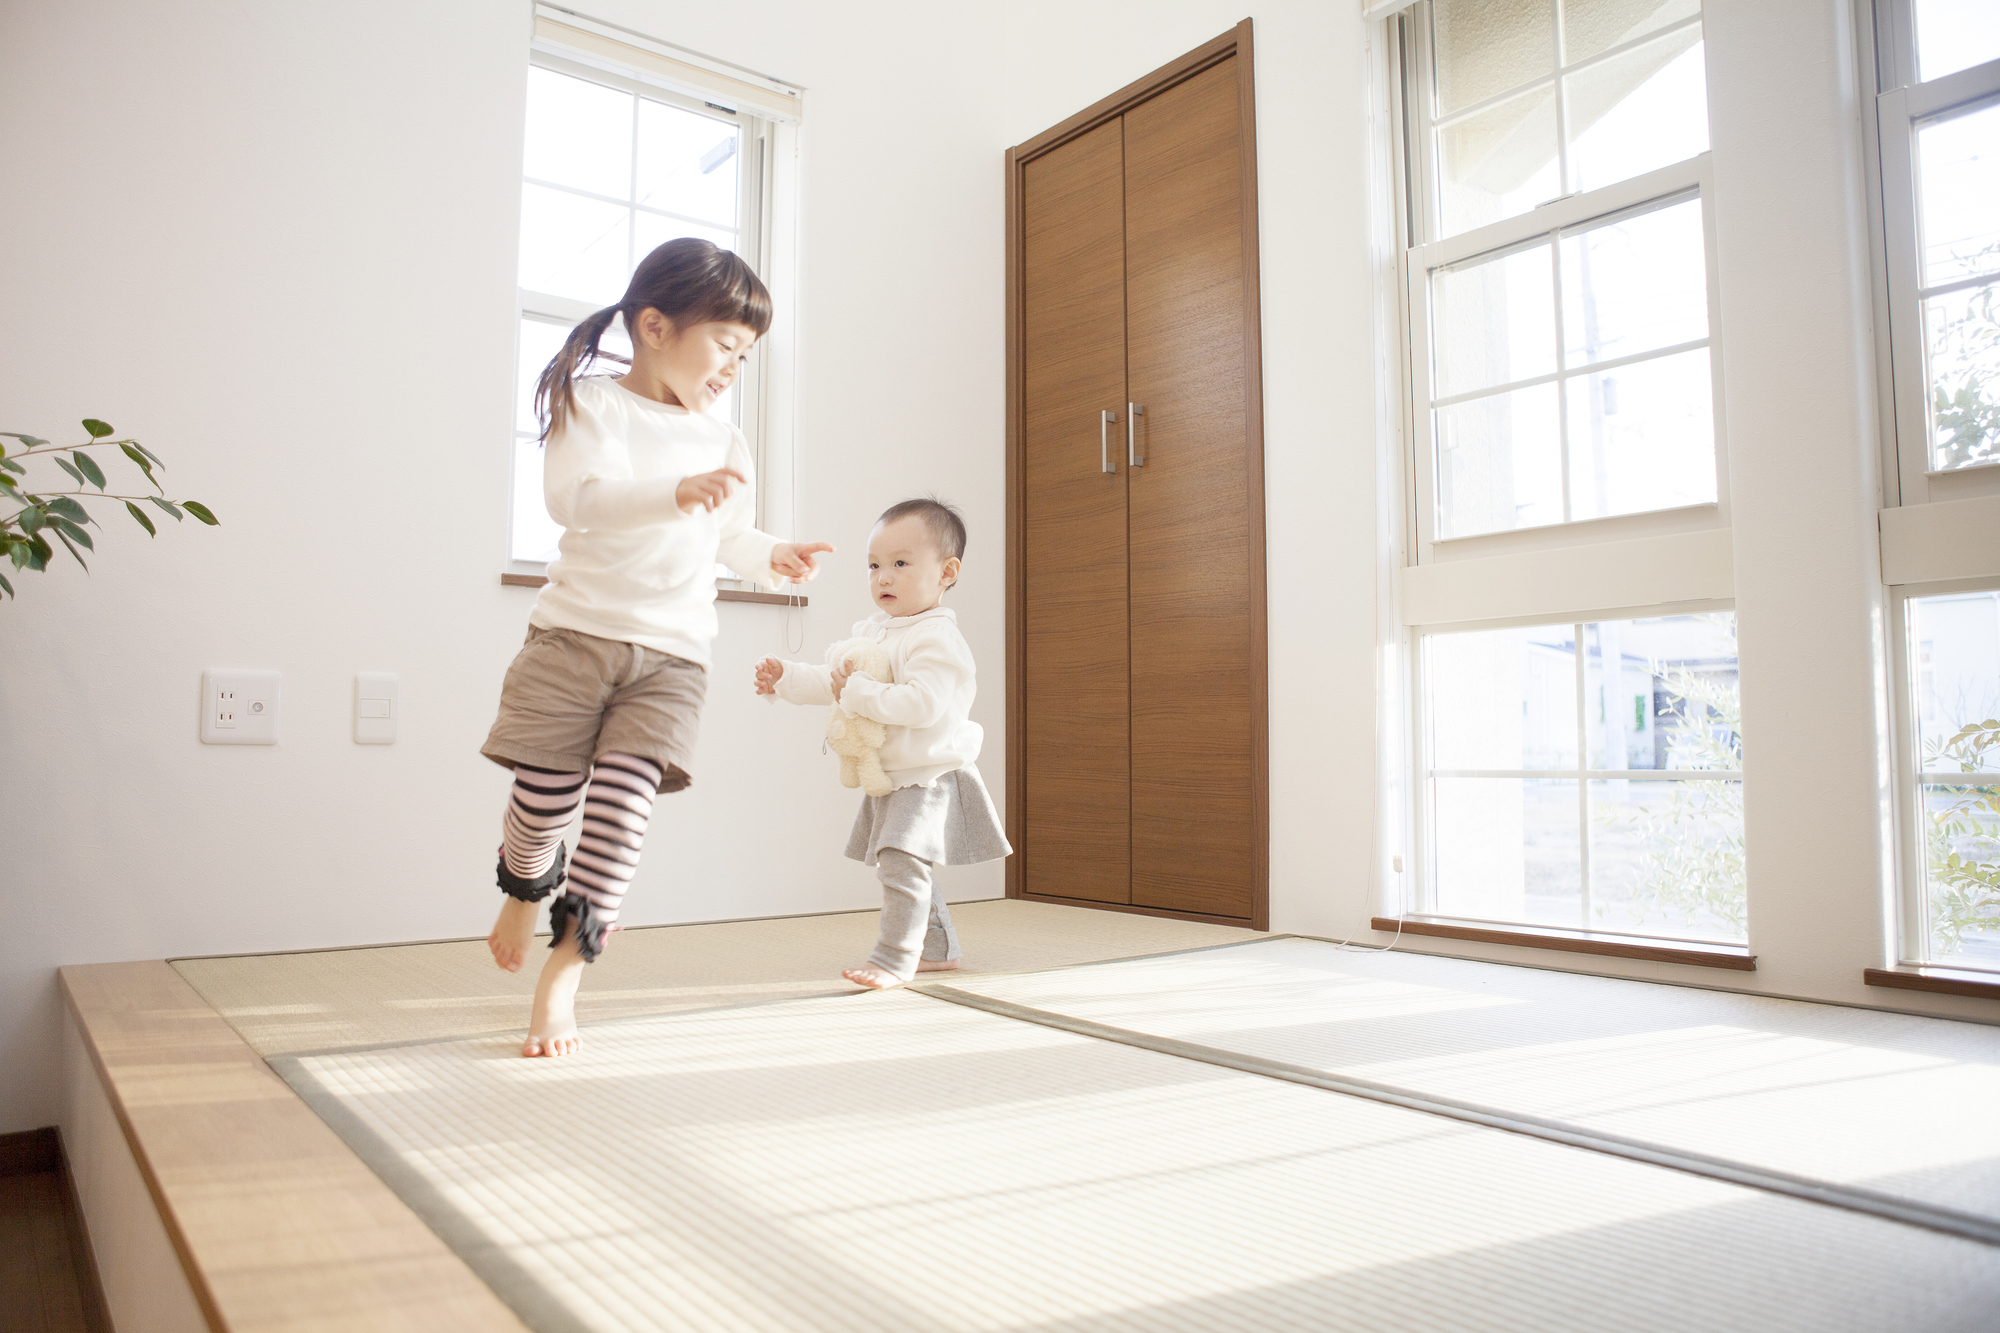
721,594
1579,941
1939,980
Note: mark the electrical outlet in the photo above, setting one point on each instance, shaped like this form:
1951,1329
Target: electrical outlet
240,707
375,708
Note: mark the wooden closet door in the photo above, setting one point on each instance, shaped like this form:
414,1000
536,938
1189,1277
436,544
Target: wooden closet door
1191,508
1075,744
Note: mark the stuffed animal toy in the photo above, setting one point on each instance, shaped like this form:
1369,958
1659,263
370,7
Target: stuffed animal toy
858,740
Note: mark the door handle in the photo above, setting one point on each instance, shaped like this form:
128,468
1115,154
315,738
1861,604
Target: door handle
1104,426
1135,434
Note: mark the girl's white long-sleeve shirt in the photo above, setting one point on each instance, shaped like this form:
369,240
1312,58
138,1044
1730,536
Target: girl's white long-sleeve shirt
632,566
927,705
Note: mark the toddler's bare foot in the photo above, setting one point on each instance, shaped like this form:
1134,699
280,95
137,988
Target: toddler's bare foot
552,1025
873,977
513,934
939,964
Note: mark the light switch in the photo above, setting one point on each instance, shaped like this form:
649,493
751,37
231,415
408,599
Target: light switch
239,707
375,708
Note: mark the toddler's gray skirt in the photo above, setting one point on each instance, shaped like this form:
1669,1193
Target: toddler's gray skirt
949,823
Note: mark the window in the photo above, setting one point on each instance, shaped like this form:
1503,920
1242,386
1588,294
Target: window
1579,768
1938,122
1951,761
1586,776
627,148
1937,125
1560,301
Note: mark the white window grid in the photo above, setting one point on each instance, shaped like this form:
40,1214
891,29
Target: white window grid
1913,926
1903,105
753,236
1424,901
1546,224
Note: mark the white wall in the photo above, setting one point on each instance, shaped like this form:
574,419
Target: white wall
281,249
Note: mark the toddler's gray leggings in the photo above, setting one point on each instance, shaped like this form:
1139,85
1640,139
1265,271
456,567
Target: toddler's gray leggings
915,921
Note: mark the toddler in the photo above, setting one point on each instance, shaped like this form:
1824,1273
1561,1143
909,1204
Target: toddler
938,812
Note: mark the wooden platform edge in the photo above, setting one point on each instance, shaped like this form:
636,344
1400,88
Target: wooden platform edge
275,1220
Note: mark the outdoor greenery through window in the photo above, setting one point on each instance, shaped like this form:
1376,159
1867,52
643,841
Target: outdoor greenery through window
1954,651
1938,118
608,174
1587,776
1958,217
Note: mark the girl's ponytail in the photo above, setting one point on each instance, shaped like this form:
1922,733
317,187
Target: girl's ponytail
690,281
555,391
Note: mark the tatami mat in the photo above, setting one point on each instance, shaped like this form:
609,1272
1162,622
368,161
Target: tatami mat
418,992
1900,1104
889,1161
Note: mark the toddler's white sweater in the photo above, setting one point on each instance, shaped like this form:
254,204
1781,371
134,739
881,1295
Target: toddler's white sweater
928,704
633,567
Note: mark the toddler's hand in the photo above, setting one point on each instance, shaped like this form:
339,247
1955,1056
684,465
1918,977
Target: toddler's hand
840,675
706,490
798,561
768,672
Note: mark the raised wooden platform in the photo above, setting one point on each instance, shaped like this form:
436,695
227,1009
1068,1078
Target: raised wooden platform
218,1200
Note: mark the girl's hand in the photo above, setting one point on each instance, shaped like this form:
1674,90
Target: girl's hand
840,675
798,562
768,672
706,490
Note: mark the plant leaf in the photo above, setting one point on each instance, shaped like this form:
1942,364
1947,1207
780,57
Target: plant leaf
32,520
69,530
145,466
98,429
40,553
157,461
13,467
9,482
66,466
90,468
72,549
167,505
200,511
5,586
68,508
140,515
32,441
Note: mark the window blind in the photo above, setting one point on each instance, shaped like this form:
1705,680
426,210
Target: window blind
604,46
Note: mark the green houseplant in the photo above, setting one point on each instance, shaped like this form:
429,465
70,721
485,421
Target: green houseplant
24,534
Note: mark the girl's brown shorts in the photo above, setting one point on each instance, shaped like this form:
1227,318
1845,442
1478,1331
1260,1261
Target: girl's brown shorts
571,697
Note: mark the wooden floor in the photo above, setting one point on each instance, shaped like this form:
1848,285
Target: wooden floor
41,1289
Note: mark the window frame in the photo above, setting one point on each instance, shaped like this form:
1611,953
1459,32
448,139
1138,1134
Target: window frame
766,232
1912,908
1422,898
1628,566
1900,107
1422,253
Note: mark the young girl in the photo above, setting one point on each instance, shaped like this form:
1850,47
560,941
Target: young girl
600,707
939,812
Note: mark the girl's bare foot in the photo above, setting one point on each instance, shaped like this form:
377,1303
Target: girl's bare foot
513,934
873,977
552,1025
939,964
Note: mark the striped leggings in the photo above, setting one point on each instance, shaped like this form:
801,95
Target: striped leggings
617,800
